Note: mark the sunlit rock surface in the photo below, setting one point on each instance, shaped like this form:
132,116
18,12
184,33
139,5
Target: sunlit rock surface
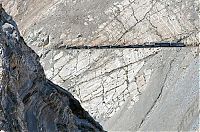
131,89
29,101
94,22
124,89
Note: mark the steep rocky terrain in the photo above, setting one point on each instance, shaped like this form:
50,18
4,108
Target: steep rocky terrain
97,22
168,98
124,89
29,101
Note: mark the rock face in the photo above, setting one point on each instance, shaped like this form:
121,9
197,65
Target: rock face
124,89
129,89
29,101
169,94
94,22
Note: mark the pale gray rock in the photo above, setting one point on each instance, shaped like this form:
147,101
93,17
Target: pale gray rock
132,89
103,22
29,101
126,89
171,99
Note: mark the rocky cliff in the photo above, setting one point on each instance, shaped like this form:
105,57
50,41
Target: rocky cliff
95,22
124,89
29,101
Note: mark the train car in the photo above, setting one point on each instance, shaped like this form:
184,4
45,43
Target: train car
177,44
163,44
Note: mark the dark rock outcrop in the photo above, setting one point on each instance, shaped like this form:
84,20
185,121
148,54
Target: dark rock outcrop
29,101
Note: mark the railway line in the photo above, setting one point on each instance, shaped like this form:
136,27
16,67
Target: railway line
145,45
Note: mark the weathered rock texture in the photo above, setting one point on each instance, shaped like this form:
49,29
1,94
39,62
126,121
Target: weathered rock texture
29,101
128,89
98,22
124,89
169,95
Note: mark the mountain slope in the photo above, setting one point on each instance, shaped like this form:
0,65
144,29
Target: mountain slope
29,101
124,89
94,22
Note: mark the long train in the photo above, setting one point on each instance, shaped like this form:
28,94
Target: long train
145,45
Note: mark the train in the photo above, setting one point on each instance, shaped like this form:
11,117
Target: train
145,45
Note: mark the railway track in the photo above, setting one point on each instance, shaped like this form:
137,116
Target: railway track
145,45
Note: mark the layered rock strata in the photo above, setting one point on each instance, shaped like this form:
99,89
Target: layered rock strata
29,101
125,89
108,22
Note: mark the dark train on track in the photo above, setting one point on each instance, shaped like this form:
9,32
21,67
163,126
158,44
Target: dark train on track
145,45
